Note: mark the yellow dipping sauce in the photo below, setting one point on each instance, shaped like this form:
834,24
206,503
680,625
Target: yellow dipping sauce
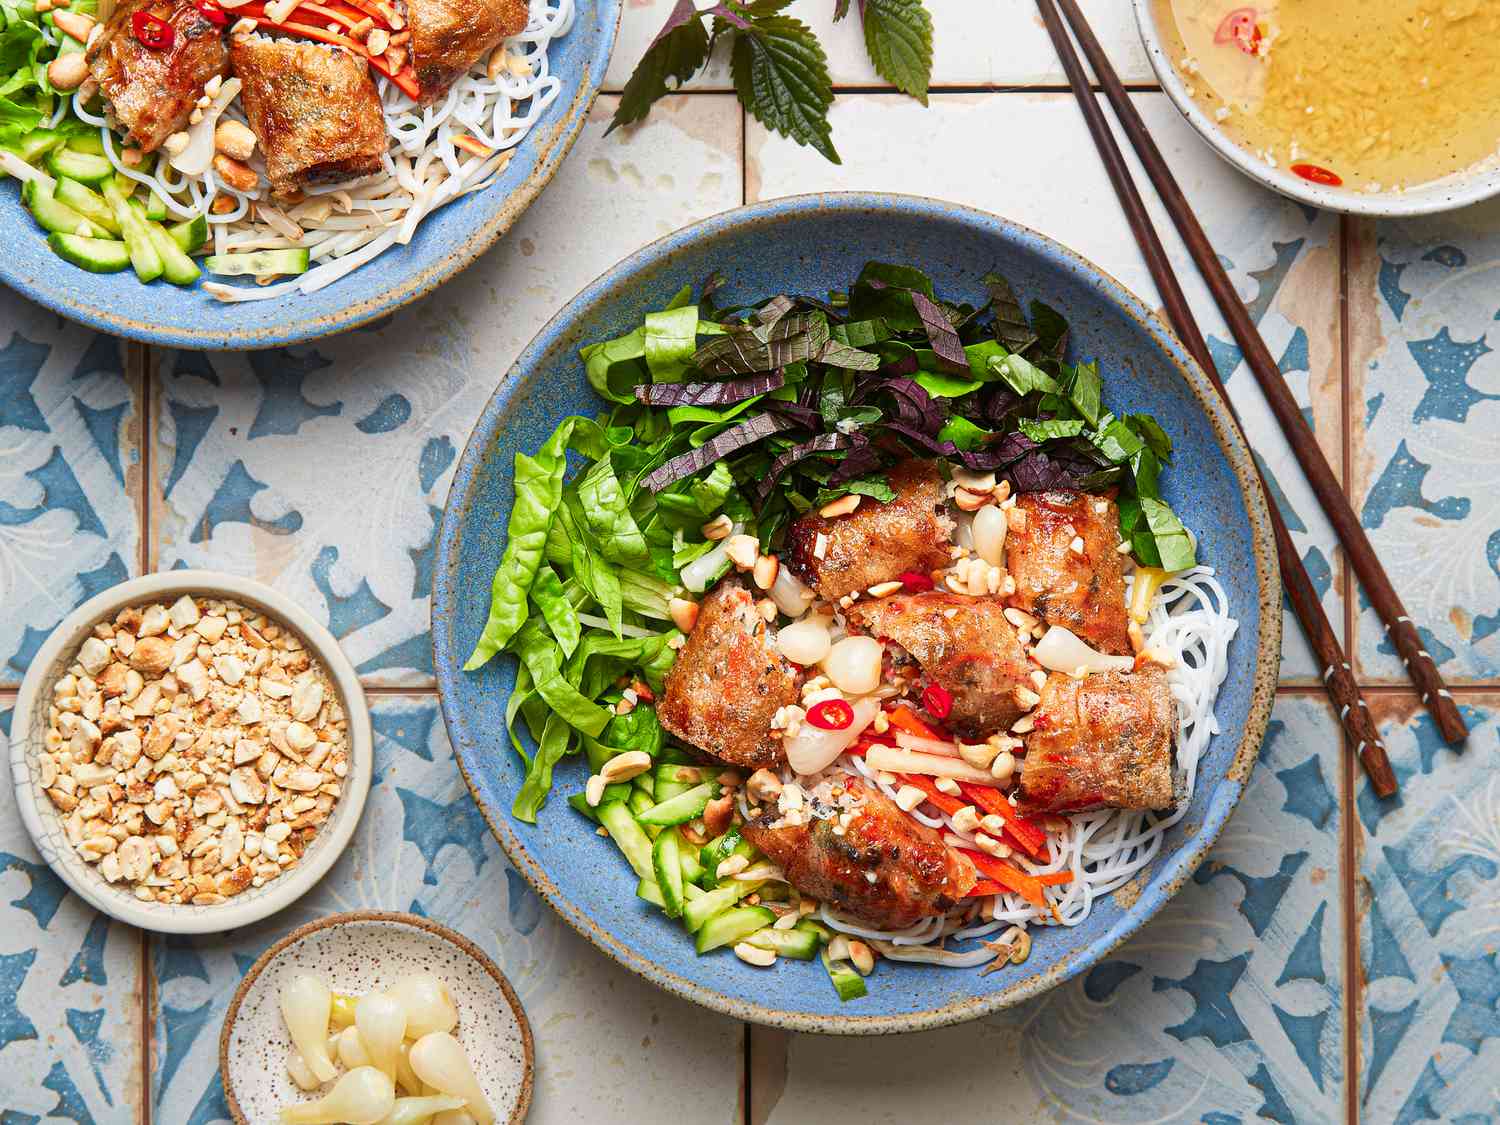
1370,94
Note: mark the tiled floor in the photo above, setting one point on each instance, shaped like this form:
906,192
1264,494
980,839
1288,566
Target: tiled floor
1334,960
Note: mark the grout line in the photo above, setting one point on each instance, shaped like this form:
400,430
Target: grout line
747,1113
1346,428
146,1027
138,361
1348,824
1392,689
954,88
138,365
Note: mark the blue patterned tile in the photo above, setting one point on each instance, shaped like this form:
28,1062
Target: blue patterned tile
323,469
1282,258
1426,441
69,472
69,992
1228,1007
1430,924
609,1046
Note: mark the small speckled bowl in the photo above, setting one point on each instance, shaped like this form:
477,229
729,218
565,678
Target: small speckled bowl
364,951
45,824
1447,194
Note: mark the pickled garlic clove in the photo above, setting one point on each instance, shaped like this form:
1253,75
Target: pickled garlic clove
381,1022
351,1049
440,1062
301,1073
429,1005
420,1111
305,1006
406,1078
363,1096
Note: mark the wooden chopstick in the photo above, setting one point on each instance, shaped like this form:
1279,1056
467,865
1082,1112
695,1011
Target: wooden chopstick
1354,715
1419,665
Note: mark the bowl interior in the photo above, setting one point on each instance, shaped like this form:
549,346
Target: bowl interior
445,243
1449,193
366,953
46,823
810,245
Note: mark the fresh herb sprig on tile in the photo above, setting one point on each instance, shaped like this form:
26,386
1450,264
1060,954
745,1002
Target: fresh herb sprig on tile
779,68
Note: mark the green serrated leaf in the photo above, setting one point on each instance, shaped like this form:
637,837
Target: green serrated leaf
898,38
781,77
840,10
679,50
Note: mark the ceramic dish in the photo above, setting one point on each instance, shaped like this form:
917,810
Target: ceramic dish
1450,193
360,952
444,244
806,245
45,825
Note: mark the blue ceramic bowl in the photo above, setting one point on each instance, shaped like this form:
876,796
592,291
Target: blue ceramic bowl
809,245
445,243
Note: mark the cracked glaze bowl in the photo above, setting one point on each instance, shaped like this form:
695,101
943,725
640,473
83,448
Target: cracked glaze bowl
445,243
810,244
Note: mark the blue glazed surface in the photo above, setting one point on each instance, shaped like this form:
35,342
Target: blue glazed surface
445,243
810,244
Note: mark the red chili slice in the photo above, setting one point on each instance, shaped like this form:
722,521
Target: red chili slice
915,581
153,32
211,11
1240,28
831,714
937,700
1318,174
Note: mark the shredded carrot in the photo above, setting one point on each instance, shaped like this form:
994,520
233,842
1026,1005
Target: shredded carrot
984,888
949,805
472,144
1012,878
405,78
1025,834
906,719
1055,878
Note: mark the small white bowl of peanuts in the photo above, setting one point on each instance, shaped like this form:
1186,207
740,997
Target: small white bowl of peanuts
191,751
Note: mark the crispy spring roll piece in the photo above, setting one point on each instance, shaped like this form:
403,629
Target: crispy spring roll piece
884,868
876,542
1083,591
1104,741
728,682
314,110
963,644
450,36
153,91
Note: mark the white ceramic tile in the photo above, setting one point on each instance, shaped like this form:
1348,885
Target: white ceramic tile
975,43
69,473
610,1047
1227,1007
323,469
69,991
1283,259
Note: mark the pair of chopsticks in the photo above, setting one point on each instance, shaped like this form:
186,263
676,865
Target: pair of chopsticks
1359,727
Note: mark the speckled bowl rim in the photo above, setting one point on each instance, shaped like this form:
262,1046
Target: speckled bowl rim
553,145
328,845
417,922
1460,190
1184,861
